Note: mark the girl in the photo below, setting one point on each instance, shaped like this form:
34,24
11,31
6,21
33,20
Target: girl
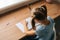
42,25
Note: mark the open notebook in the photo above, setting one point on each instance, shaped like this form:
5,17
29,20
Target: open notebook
21,26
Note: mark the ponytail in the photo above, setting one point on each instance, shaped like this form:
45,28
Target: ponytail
44,10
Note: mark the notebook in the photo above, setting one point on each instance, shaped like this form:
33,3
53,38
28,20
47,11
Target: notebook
21,26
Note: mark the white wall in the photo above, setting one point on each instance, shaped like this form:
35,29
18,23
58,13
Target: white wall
8,5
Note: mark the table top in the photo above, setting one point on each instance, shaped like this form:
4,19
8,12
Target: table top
8,29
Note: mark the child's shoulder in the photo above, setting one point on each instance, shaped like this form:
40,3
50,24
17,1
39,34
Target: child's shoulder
49,18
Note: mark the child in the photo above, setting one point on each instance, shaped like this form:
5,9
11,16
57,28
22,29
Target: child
42,25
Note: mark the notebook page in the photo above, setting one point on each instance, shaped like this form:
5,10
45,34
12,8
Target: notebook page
28,20
20,26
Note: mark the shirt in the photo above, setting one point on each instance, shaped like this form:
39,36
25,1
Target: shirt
44,32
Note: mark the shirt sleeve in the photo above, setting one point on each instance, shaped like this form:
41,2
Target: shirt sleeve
52,20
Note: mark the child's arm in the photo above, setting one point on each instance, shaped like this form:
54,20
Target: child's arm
25,25
31,32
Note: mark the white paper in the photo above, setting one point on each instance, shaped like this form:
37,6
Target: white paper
28,20
20,26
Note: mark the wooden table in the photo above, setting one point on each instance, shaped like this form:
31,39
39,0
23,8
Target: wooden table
8,29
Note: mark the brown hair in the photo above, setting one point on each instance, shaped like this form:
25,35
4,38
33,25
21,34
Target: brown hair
40,14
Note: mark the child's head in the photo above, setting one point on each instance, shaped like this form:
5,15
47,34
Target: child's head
40,14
